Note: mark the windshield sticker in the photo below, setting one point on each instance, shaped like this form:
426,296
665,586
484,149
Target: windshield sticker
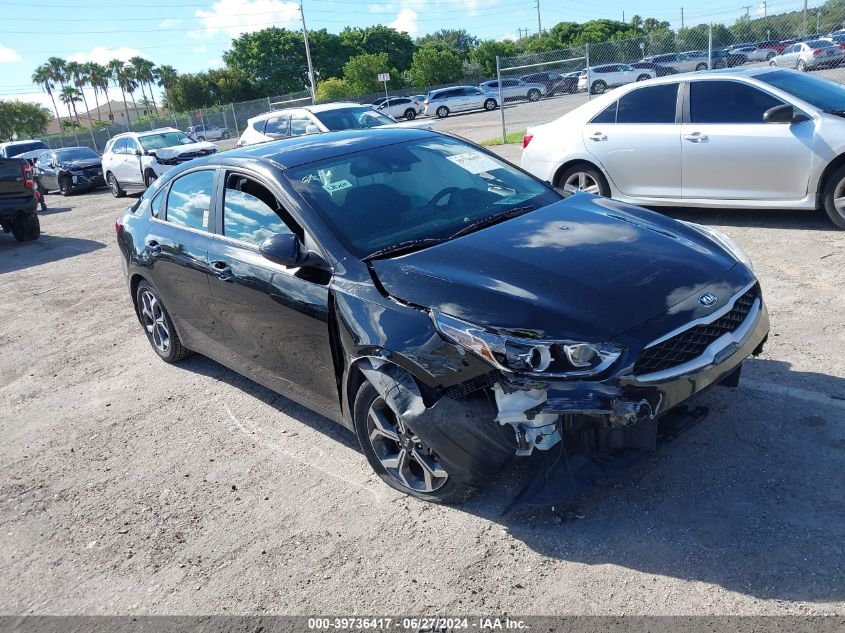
331,187
474,162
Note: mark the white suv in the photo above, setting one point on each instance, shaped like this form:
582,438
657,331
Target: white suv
133,160
612,75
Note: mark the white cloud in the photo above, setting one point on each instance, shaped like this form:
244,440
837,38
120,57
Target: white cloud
234,17
389,7
103,55
202,48
406,21
8,56
169,23
215,63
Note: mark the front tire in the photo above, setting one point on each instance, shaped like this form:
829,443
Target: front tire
643,77
769,55
65,186
442,112
490,105
149,178
534,95
26,228
598,87
115,187
802,65
410,114
701,66
158,325
583,177
833,197
398,456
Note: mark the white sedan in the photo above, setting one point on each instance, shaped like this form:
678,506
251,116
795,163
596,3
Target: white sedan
754,138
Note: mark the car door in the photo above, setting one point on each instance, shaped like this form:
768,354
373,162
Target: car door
729,152
474,98
177,252
134,174
790,56
511,89
638,141
274,319
46,165
119,159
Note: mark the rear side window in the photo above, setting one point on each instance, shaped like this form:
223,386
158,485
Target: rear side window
249,211
608,115
157,205
277,126
655,104
258,126
189,200
728,102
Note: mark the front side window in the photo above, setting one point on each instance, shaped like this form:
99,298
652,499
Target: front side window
430,188
608,115
654,104
189,200
165,139
728,102
299,124
277,126
249,211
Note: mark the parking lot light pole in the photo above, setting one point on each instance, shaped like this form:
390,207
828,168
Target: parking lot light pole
308,57
710,47
501,100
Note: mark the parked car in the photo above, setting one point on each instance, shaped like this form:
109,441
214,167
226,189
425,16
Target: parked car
600,78
208,132
555,83
400,108
768,49
18,200
638,146
665,59
444,101
809,55
515,89
317,119
133,160
723,58
659,69
69,170
450,309
16,148
839,39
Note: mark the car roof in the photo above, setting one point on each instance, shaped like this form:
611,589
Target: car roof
145,132
300,150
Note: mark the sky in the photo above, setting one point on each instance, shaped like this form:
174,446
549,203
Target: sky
192,35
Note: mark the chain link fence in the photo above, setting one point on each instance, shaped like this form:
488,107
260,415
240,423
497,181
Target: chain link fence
812,41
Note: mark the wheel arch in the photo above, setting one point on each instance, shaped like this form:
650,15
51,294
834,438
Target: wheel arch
580,161
827,172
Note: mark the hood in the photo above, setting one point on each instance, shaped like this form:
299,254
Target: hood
82,163
201,148
585,268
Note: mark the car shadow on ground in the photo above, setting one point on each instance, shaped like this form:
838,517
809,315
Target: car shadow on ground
50,210
750,499
762,218
16,255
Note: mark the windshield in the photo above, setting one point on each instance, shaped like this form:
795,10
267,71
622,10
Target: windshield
420,190
164,139
75,153
352,118
825,94
21,148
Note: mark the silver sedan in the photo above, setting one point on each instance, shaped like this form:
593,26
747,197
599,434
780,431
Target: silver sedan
766,138
809,55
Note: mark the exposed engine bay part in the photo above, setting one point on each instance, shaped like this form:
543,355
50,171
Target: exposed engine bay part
520,409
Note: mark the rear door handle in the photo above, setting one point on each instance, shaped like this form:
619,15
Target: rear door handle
222,270
154,247
598,136
696,137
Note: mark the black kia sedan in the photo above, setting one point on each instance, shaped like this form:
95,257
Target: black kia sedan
70,169
449,308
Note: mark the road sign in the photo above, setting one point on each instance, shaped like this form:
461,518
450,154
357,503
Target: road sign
384,76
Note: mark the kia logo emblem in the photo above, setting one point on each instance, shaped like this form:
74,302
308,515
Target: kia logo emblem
708,299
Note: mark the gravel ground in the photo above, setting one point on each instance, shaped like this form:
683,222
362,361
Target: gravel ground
128,486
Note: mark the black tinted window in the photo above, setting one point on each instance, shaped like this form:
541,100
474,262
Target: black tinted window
189,200
728,102
157,204
655,104
608,115
248,211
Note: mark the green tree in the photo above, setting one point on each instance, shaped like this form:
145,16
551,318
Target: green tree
24,120
145,74
334,89
123,79
214,87
70,97
380,39
485,54
361,73
433,65
98,79
456,40
77,75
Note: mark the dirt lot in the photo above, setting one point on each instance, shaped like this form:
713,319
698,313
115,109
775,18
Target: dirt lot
131,486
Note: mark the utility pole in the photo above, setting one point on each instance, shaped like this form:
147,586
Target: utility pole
308,56
747,8
805,18
540,24
682,17
765,8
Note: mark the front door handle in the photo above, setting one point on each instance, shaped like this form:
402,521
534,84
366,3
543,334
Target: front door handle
222,270
154,247
598,136
696,137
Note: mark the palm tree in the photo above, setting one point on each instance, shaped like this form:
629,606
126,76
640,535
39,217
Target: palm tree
167,76
144,71
79,77
118,72
98,78
57,69
43,77
70,97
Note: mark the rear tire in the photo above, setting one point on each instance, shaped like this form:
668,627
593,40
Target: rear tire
442,112
834,189
701,66
410,114
158,325
368,403
26,228
534,95
115,187
598,87
583,177
643,77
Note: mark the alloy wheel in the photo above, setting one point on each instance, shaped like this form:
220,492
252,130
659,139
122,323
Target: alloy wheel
839,198
149,179
152,316
115,188
582,181
401,452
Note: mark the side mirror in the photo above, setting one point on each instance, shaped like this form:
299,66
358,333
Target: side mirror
284,249
312,129
784,113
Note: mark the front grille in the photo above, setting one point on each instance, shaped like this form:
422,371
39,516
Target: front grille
691,343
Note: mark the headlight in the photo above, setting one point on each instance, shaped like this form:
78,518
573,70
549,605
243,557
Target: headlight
729,244
527,355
